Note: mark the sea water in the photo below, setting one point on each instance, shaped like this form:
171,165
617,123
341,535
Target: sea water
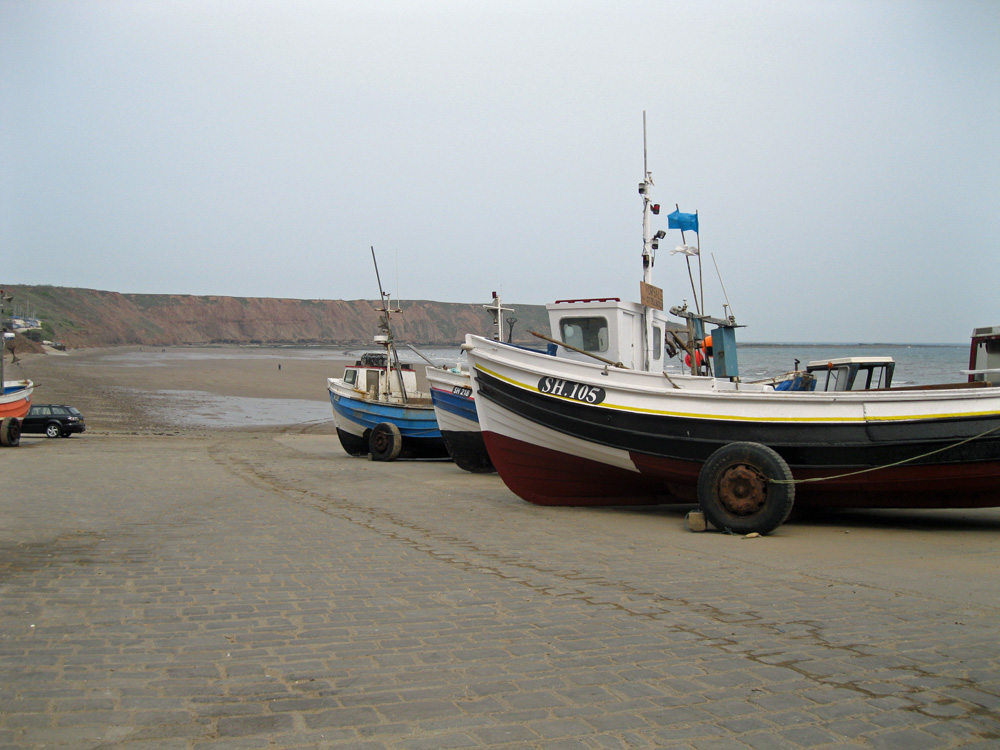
916,364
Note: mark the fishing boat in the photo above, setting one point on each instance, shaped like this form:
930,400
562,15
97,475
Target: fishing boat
15,400
566,432
377,407
455,409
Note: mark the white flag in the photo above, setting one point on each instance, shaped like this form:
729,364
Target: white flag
685,250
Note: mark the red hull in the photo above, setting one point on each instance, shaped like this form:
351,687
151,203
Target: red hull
547,477
18,409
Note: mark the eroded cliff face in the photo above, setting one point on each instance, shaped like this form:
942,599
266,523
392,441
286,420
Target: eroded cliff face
87,317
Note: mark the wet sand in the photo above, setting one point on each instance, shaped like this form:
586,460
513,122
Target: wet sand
140,389
222,390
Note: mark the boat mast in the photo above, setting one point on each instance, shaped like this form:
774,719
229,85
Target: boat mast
391,357
650,242
4,299
497,310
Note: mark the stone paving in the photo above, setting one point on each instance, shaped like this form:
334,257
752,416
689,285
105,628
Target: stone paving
259,591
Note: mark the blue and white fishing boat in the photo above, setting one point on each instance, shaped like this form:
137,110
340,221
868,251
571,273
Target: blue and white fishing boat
377,406
451,394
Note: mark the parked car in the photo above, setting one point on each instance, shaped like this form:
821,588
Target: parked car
53,420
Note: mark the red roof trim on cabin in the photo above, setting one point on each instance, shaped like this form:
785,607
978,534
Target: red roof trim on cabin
603,299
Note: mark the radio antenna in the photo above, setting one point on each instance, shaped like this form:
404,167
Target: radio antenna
723,285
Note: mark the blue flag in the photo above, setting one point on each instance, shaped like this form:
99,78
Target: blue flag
684,222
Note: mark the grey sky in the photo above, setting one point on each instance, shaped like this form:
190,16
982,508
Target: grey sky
844,157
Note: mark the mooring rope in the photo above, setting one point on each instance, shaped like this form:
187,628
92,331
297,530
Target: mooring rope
886,466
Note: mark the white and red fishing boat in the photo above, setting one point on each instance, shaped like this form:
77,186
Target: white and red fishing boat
566,432
15,401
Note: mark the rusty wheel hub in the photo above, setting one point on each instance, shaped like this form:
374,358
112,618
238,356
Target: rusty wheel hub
742,490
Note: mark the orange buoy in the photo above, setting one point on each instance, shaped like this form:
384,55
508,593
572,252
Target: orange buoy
697,358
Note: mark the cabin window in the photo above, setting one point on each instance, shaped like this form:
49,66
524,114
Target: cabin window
589,334
862,379
836,379
372,384
350,377
657,343
869,377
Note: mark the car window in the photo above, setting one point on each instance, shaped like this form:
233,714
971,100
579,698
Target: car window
74,411
59,410
44,411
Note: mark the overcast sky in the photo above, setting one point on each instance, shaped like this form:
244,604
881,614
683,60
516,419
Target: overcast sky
843,155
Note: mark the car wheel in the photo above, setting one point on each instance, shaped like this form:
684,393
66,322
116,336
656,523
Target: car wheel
53,430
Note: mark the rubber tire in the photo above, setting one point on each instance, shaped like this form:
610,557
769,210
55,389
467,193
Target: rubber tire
10,432
385,443
352,444
761,460
53,430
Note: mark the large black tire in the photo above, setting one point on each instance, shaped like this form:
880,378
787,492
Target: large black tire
735,491
354,445
385,442
10,432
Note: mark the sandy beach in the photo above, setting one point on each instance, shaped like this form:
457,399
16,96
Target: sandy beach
117,389
164,584
121,391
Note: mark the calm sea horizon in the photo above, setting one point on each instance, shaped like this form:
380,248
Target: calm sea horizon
916,364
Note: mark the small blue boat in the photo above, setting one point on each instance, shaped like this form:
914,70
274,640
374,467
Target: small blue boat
377,407
379,411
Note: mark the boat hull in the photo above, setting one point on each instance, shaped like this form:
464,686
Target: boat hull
15,401
643,441
356,417
455,408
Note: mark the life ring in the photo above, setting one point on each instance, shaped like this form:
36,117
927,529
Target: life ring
699,358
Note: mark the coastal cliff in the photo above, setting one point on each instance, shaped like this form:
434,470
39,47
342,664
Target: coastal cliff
88,318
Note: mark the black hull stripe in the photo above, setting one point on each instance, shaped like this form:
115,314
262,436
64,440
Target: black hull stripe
803,445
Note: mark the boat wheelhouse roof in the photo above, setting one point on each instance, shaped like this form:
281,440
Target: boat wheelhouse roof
379,360
823,363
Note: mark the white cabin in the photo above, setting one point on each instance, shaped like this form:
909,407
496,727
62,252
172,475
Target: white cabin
608,328
984,358
852,373
381,383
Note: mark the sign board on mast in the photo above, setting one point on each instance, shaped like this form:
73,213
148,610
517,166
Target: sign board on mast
650,296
